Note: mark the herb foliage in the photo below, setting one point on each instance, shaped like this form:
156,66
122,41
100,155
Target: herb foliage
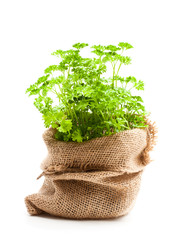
75,99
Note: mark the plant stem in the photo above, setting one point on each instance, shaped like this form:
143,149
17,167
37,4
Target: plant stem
119,68
68,73
75,114
113,67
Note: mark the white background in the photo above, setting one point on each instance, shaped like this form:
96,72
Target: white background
30,31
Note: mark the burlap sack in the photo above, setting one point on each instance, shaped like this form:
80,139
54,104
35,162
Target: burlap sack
96,179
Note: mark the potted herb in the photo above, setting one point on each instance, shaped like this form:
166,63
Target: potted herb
98,136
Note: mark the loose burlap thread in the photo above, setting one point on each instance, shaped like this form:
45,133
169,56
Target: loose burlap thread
96,179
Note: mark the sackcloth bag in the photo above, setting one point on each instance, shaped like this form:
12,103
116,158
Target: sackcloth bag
96,179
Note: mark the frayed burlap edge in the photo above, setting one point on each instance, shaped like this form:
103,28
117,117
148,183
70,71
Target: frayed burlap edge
152,131
145,155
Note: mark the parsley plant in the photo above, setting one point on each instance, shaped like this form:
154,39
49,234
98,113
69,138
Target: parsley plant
80,103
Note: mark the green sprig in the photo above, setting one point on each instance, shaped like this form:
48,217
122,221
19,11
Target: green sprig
80,103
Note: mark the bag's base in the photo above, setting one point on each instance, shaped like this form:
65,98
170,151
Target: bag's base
112,197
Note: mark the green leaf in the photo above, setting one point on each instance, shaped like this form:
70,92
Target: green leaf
80,45
52,68
139,85
65,126
76,136
125,45
112,48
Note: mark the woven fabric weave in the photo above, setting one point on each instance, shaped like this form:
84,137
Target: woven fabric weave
96,179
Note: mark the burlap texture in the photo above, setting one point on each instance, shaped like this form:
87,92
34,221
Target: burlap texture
96,179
